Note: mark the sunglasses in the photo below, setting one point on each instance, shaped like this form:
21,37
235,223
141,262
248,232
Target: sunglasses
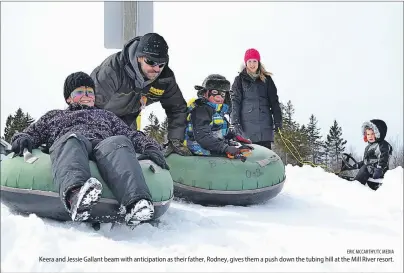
82,92
216,92
153,63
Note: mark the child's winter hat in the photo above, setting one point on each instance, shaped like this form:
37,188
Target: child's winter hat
252,53
214,81
378,126
75,80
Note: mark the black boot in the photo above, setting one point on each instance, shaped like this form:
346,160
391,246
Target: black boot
140,211
82,199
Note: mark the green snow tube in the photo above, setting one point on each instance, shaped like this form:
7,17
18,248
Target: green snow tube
28,188
209,180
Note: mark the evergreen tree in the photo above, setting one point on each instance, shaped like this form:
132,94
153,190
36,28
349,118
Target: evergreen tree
164,129
325,154
28,119
153,128
292,141
16,123
314,140
303,143
9,131
289,111
335,144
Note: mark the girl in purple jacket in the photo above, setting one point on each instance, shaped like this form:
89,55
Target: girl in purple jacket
82,133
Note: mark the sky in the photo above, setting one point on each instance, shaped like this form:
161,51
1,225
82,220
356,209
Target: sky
340,61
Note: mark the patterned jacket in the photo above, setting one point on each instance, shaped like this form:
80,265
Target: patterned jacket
93,123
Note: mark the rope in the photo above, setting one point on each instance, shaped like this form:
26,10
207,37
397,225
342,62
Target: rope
301,161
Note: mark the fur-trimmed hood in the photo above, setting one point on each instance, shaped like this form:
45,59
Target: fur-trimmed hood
241,68
263,73
378,126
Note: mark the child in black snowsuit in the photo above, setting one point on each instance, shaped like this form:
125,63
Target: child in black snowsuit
377,154
208,131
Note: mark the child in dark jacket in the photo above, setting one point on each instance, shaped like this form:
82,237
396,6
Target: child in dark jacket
81,132
208,131
377,154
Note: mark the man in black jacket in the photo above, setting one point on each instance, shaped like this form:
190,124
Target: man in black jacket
131,79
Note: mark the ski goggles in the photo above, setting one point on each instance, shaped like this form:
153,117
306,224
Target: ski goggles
216,92
82,92
153,63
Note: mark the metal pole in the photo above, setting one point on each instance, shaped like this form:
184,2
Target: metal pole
129,20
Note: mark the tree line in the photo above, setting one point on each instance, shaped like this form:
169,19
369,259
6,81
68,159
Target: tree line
295,144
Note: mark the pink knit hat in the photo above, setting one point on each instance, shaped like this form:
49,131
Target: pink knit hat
252,53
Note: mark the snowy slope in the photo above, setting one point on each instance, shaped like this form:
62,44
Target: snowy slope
317,215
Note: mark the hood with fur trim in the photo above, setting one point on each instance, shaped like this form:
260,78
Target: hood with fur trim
241,68
378,126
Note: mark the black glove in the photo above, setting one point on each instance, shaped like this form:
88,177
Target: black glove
230,134
156,156
176,146
377,173
358,165
278,126
20,144
232,150
237,152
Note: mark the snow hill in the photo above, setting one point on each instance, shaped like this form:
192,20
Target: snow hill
318,223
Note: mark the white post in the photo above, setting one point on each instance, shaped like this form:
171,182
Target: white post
126,20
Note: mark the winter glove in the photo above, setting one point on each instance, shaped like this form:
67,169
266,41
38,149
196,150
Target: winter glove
239,135
231,142
358,165
20,144
156,156
238,152
176,146
230,134
278,126
377,173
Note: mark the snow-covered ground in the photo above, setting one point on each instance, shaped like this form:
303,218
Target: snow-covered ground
317,216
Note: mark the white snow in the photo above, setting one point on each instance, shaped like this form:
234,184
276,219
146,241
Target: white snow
317,215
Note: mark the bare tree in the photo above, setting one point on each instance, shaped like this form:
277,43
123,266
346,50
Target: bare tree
353,153
398,153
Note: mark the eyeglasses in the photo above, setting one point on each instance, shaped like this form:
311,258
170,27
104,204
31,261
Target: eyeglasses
153,63
216,92
82,92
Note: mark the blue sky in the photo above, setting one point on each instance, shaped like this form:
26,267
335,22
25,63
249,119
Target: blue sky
340,61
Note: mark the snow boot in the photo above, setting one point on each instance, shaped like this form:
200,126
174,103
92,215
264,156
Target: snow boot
139,212
84,198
